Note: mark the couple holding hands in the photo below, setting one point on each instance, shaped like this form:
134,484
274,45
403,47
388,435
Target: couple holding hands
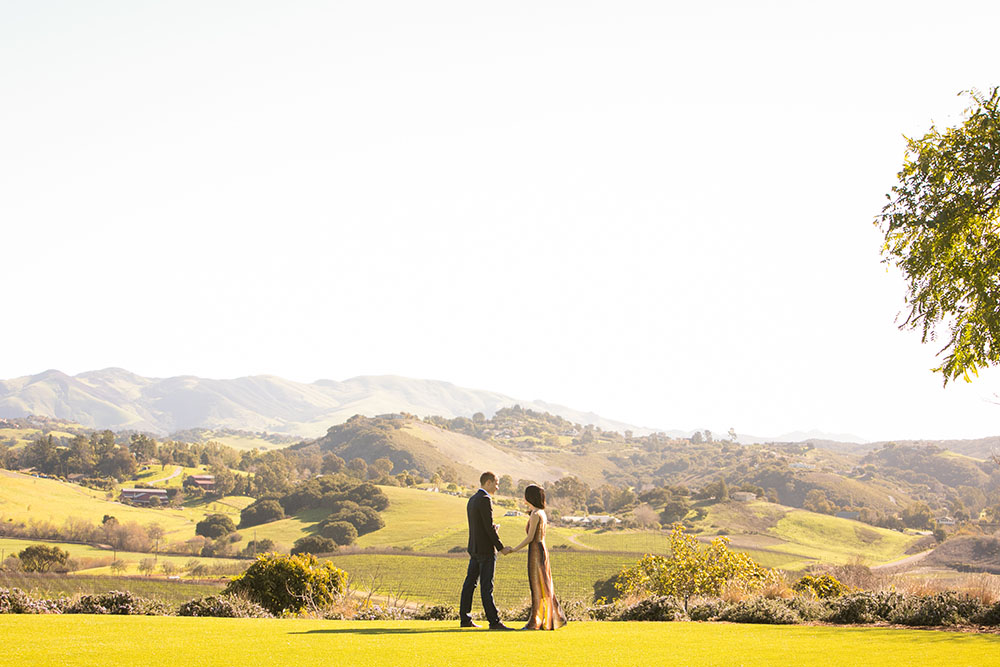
484,544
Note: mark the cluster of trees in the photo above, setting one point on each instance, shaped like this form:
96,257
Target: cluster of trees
121,535
352,510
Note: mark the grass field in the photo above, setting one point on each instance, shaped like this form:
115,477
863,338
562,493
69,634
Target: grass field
67,585
97,561
168,641
428,525
438,579
155,476
24,498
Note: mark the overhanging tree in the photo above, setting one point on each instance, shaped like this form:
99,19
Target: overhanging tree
942,230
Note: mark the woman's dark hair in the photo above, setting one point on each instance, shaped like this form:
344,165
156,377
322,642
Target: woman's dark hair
535,495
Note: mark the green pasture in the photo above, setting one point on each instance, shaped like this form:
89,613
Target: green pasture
27,498
20,436
86,640
154,476
438,579
832,540
244,442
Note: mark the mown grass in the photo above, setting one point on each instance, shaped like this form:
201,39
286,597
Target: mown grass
168,641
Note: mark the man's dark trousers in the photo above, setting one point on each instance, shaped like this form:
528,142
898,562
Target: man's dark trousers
481,569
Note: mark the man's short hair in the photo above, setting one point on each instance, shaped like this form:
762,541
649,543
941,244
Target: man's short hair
486,476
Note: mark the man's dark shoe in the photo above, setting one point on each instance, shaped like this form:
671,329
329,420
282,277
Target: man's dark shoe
499,626
468,624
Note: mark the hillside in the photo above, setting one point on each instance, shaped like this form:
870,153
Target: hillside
968,553
117,399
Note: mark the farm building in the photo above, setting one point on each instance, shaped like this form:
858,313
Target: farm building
143,496
591,520
203,482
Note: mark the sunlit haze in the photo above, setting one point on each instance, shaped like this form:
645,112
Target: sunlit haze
660,212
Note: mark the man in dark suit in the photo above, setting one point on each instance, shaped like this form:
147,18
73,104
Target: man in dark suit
484,543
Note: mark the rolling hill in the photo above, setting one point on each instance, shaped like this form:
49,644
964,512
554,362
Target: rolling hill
117,399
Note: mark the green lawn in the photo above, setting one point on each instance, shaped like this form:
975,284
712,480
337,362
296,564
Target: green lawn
170,641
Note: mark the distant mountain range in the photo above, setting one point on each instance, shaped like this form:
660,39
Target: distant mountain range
117,399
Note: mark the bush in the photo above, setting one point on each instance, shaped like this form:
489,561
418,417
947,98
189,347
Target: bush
223,606
374,612
42,558
823,587
341,532
261,511
864,607
575,610
948,608
690,571
370,495
439,612
214,526
760,610
605,612
16,601
364,519
255,547
990,615
708,610
655,608
314,544
807,608
123,603
289,583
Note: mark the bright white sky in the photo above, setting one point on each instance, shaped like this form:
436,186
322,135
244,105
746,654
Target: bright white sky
658,211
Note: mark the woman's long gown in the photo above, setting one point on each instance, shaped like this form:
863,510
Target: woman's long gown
546,614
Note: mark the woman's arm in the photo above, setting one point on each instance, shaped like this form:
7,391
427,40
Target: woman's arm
532,527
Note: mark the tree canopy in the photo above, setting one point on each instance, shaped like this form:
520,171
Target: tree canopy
942,230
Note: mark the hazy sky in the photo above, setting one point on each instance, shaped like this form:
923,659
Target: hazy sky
658,211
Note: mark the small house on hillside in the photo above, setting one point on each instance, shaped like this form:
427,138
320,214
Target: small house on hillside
203,482
591,520
743,496
143,496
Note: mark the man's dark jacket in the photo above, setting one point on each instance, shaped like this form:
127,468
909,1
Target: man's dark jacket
483,538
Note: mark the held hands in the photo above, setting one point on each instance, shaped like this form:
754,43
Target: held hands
506,551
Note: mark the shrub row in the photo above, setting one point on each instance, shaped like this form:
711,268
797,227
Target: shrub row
16,601
868,607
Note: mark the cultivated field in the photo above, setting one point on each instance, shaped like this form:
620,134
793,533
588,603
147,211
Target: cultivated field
170,641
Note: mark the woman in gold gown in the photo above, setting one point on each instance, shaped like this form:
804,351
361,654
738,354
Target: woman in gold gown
546,614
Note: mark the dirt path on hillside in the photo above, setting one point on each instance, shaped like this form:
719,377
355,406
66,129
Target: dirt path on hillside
903,562
176,472
572,540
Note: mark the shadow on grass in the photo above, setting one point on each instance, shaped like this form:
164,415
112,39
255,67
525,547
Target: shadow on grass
382,631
